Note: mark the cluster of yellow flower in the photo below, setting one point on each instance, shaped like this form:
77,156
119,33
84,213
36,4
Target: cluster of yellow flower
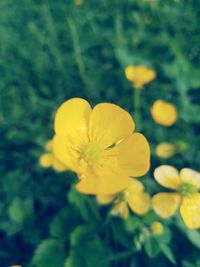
101,147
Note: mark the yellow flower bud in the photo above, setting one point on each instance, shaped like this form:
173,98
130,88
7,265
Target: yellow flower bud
157,228
120,209
165,150
139,75
46,160
164,113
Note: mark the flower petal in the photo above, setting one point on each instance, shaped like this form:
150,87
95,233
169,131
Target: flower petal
190,176
190,211
109,124
105,199
104,182
167,176
134,155
165,204
139,203
66,152
72,117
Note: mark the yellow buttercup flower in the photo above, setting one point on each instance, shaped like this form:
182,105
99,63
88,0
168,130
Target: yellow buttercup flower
164,113
132,197
48,159
186,196
157,228
100,146
165,150
139,75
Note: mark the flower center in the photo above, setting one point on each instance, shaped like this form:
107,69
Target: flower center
93,153
187,190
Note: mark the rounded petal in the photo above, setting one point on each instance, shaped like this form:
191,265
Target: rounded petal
105,199
134,155
109,124
58,166
66,152
46,160
106,182
72,117
167,176
190,176
166,204
190,211
135,187
139,203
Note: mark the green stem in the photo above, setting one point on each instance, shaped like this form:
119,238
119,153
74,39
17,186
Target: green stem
136,103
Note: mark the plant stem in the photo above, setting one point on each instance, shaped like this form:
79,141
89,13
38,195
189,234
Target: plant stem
136,103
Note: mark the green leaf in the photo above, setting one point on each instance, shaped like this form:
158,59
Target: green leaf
64,223
86,206
152,247
168,253
132,224
50,253
20,209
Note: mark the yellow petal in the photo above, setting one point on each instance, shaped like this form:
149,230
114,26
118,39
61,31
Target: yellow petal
109,124
167,176
130,73
164,113
190,211
58,166
190,176
166,204
120,209
46,160
105,199
134,155
157,228
135,187
49,145
72,117
66,152
106,182
139,202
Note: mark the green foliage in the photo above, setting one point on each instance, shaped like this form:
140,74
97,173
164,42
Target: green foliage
54,50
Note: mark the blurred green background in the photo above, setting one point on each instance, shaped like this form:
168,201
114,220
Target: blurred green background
51,51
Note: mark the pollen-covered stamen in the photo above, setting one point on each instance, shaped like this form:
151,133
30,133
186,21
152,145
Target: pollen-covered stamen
187,190
93,153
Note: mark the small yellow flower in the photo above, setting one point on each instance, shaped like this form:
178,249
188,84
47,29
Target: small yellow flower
157,228
78,2
165,150
164,113
48,159
87,142
132,197
16,266
139,75
187,196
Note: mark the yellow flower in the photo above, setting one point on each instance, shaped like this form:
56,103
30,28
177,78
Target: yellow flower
186,196
48,159
157,228
87,142
165,150
139,75
132,197
164,113
78,2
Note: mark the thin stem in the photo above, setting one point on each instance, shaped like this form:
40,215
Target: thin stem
136,103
